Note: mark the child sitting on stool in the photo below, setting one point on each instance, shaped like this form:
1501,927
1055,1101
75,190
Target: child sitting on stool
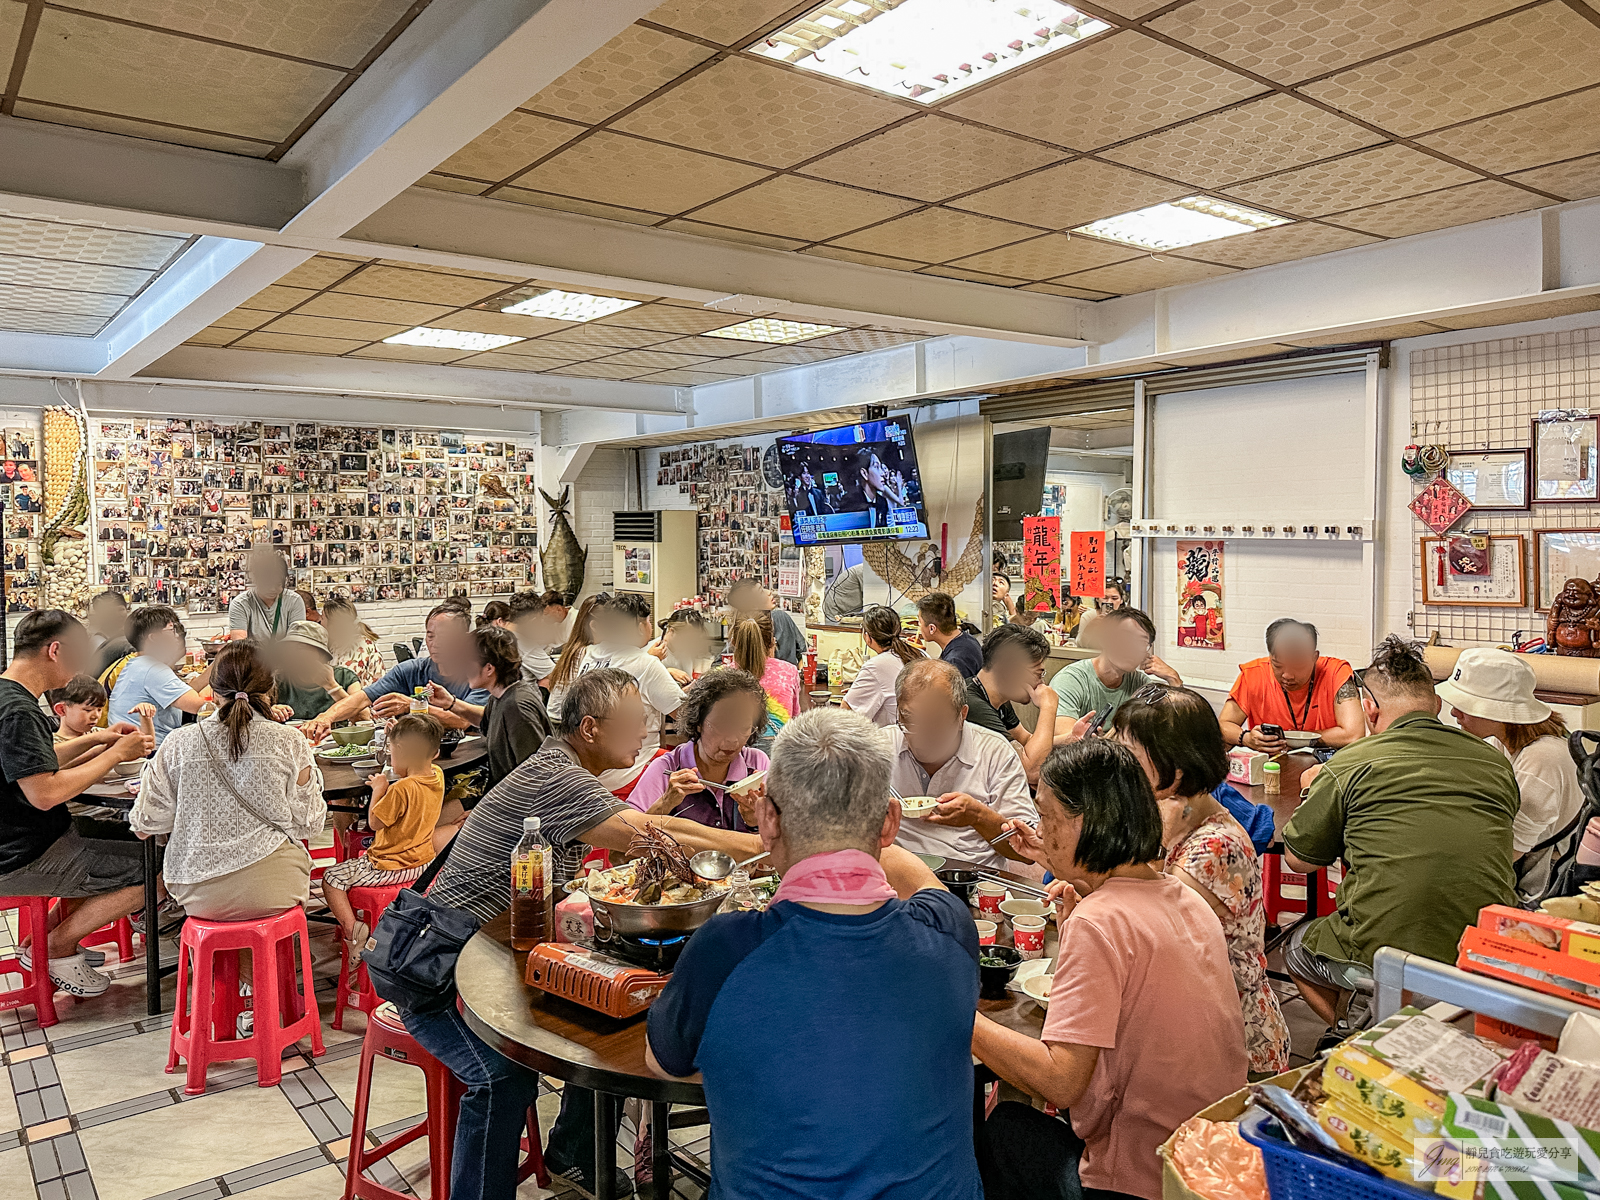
402,816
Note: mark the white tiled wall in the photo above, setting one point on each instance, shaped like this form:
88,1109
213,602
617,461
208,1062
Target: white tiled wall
600,490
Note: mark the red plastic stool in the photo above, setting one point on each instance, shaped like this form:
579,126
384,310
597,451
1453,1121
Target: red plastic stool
33,923
208,1002
354,986
119,933
387,1038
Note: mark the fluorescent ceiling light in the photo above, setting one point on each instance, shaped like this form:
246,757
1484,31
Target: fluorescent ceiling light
769,329
926,49
569,306
1180,223
450,339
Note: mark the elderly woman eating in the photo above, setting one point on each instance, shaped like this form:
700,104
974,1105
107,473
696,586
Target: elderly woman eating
723,714
1143,1027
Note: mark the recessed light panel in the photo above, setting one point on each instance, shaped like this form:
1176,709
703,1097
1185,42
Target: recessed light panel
569,306
450,339
926,50
769,329
1186,222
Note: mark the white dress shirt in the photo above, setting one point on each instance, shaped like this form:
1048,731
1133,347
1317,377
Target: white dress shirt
872,691
986,768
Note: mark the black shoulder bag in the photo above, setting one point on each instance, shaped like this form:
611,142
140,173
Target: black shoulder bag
411,957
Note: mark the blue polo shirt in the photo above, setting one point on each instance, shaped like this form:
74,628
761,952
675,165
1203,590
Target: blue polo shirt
418,672
836,1049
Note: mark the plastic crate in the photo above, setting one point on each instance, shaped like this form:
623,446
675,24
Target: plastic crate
1295,1175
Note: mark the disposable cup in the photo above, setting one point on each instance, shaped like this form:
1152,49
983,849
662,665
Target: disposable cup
986,932
1027,934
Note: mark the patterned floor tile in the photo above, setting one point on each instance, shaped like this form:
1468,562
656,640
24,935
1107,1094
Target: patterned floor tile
114,1071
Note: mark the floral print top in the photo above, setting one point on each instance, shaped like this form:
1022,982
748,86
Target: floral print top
1219,857
365,659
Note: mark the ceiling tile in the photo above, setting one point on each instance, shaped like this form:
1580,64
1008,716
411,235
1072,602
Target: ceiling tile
473,320
583,208
1382,333
1369,177
1290,40
87,304
708,347
1572,180
1530,137
761,112
297,344
669,319
432,268
319,272
201,139
499,360
1105,90
1515,60
840,254
329,327
803,208
591,340
637,174
808,353
443,183
18,320
141,73
211,335
597,371
278,298
971,276
550,352
510,144
428,287
417,354
1438,210
684,378
88,277
653,360
1072,194
371,308
11,16
1274,133
725,22
1541,311
1048,256
931,158
243,318
854,340
722,233
936,235
735,368
625,70
328,31
1133,9
1282,244
86,243
1142,275
1056,289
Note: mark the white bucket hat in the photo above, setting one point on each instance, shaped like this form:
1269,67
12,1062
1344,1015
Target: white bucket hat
1495,685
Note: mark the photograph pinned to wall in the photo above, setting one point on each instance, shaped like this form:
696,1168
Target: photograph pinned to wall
1560,555
1088,572
1480,571
1041,564
1564,464
1200,596
1440,505
1491,480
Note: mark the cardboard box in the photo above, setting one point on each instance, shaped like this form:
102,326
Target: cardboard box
1504,1033
1555,972
1229,1108
1359,1133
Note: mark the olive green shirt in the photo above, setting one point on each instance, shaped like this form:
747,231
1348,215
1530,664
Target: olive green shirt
1421,814
312,702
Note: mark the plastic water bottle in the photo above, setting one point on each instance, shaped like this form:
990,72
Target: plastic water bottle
532,907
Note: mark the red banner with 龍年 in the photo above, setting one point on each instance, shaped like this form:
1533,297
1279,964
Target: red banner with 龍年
1041,563
1089,564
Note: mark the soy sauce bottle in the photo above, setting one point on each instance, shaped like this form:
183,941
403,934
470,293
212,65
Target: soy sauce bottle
532,915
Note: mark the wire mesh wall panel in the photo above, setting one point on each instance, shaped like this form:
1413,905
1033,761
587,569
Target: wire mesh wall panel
1485,396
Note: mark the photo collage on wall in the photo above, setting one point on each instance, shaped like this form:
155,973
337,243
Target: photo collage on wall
374,513
741,517
23,495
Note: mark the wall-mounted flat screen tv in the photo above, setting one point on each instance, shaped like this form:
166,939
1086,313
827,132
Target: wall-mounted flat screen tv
854,483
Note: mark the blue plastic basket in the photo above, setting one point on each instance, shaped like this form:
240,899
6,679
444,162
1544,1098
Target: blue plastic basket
1295,1175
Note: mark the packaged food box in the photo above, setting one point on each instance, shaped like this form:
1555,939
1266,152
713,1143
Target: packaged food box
1504,1033
1550,954
1359,1132
1535,1081
1510,1153
1400,1071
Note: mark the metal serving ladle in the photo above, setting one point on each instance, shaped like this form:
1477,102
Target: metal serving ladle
714,864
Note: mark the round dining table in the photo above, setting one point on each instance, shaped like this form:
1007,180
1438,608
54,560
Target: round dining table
555,1036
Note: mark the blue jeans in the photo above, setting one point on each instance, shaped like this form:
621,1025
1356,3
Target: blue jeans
495,1108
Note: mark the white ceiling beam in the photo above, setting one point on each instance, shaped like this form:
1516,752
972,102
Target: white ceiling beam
265,371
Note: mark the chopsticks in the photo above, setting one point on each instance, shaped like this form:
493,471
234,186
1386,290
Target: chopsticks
1010,833
1015,885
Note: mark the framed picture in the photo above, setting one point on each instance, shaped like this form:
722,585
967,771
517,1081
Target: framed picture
1496,580
1492,479
1560,555
1564,460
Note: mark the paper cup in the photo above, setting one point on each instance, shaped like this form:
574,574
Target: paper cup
1027,934
986,932
990,896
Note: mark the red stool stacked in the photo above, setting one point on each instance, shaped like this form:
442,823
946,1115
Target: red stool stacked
354,986
387,1038
208,1002
33,922
119,933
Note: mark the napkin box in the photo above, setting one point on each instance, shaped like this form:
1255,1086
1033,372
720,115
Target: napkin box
1245,765
575,919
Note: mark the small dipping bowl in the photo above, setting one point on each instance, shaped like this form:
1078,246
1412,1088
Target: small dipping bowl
992,980
961,883
1023,908
365,768
131,768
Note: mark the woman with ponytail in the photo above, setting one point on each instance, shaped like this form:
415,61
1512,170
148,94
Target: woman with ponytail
872,692
572,654
753,642
238,793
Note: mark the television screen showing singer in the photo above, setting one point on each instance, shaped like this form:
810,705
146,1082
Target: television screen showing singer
854,483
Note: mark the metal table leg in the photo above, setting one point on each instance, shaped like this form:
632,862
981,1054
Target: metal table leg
152,931
661,1147
605,1146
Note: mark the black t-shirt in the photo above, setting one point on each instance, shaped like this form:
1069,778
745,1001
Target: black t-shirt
966,652
515,725
109,653
27,747
985,715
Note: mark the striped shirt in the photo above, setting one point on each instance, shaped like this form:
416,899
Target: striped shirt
552,786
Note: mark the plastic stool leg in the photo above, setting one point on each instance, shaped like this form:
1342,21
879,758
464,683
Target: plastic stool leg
308,997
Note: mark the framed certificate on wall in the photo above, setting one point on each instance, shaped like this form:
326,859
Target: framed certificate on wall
1494,480
1560,555
1564,463
1456,572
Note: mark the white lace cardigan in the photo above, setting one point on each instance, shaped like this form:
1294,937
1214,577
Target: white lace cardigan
212,834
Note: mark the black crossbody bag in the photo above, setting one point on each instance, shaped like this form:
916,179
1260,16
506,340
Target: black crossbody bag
411,958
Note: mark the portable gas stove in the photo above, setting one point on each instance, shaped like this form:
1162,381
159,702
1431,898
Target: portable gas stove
620,976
